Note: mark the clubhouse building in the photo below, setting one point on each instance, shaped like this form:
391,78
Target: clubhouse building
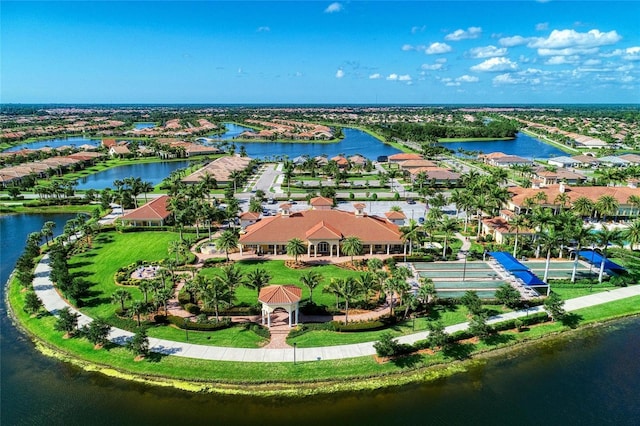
323,230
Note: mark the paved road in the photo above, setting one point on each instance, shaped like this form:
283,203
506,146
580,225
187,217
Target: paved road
53,303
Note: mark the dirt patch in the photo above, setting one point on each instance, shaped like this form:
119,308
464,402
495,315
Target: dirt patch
291,264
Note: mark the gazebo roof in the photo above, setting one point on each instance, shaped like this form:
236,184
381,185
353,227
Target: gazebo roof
278,294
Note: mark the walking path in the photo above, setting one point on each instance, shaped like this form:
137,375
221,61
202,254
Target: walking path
53,302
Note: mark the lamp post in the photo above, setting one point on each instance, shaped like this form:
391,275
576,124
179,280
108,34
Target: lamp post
464,268
295,345
186,328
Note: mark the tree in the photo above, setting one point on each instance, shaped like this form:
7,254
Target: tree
508,296
478,325
374,264
257,279
227,240
97,332
217,292
437,337
352,246
138,308
632,233
472,302
47,230
139,343
448,227
606,205
295,247
311,280
349,289
605,237
410,233
554,306
67,321
32,303
516,223
427,292
120,296
386,346
582,236
583,206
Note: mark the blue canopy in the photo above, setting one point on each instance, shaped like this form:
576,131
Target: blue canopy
509,262
529,278
595,258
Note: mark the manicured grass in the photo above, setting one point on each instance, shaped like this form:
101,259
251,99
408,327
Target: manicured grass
280,274
236,337
112,250
568,292
445,140
46,209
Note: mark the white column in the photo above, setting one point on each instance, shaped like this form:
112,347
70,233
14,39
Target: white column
338,248
290,315
370,249
262,316
269,319
297,312
241,246
309,250
388,248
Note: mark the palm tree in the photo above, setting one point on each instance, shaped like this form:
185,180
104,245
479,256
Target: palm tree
176,247
120,296
605,237
227,240
634,200
606,205
410,233
367,282
352,246
583,206
448,227
547,242
295,247
138,308
162,296
47,230
349,289
311,280
145,188
517,223
582,236
145,286
374,264
427,291
257,279
632,233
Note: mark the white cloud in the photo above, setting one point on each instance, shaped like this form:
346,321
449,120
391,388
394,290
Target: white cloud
592,62
431,67
407,47
441,60
569,51
437,48
487,52
632,53
453,83
405,77
560,60
263,29
505,79
339,73
418,29
560,39
513,41
468,79
495,65
333,8
392,77
542,26
470,33
375,76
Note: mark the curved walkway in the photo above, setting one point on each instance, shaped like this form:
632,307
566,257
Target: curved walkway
53,302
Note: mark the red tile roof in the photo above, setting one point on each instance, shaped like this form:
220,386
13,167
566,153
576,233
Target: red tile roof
280,294
280,229
321,201
153,210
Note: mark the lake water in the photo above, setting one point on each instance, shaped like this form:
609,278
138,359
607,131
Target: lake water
55,143
358,142
151,172
140,126
354,142
523,146
591,379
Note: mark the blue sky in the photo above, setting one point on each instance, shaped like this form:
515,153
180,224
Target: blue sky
418,52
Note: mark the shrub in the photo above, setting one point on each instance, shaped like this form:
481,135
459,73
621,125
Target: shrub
199,326
386,346
359,326
214,261
258,329
192,308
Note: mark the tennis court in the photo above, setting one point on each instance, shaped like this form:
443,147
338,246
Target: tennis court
478,274
559,269
446,266
467,285
457,294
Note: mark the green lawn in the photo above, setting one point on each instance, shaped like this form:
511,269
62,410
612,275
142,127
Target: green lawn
236,337
280,274
114,250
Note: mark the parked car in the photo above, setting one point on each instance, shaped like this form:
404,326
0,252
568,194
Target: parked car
421,220
411,201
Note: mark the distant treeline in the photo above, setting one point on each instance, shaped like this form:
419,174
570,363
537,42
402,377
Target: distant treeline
430,132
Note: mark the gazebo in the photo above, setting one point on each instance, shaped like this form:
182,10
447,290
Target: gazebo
286,297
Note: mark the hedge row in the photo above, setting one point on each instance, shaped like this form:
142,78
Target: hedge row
199,326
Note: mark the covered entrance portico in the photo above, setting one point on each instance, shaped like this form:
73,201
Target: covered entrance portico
285,297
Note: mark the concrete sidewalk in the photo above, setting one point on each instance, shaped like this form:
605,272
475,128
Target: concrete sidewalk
53,302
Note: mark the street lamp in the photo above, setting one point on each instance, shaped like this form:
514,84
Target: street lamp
464,268
186,328
294,353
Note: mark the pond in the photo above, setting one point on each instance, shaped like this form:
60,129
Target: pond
56,143
523,146
146,125
149,172
354,142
